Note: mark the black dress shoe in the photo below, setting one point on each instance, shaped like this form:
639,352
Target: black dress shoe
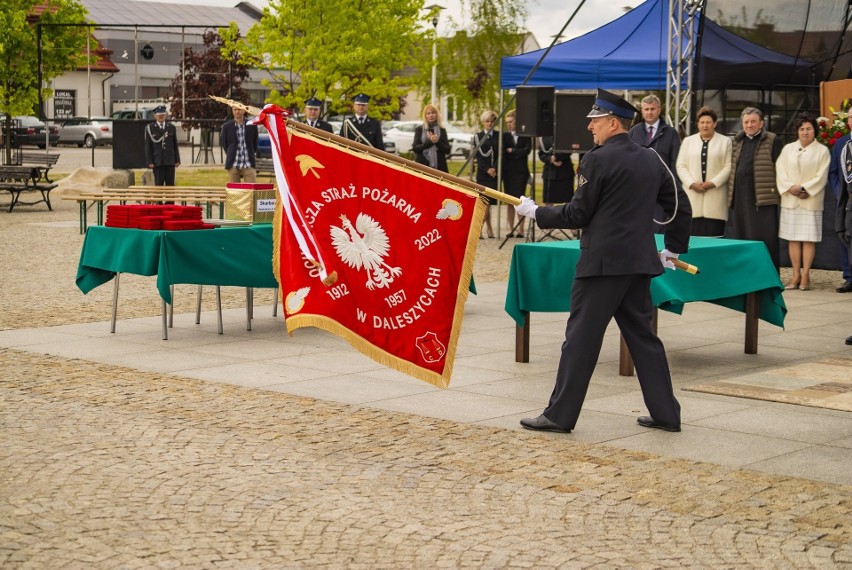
541,423
849,340
649,422
845,288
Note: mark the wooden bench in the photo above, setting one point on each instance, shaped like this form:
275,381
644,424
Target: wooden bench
44,162
264,167
23,178
208,195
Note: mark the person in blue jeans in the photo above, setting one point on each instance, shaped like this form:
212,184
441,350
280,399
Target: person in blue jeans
837,184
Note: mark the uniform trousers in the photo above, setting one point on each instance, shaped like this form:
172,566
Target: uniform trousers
164,175
594,302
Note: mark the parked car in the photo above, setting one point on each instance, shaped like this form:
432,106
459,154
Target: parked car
460,141
264,145
28,130
84,131
143,114
402,134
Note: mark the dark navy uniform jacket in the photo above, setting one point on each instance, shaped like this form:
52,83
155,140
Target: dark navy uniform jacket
371,130
161,145
322,125
618,185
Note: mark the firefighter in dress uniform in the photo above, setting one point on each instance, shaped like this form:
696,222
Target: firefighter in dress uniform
312,113
161,148
362,128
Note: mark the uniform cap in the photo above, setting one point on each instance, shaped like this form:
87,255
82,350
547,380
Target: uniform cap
361,98
160,110
607,103
313,102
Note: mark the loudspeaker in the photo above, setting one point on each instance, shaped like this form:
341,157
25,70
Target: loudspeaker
128,144
570,131
534,111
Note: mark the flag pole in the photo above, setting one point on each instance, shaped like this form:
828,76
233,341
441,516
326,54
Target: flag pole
410,164
354,145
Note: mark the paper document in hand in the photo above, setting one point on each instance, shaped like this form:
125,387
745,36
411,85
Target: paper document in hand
373,250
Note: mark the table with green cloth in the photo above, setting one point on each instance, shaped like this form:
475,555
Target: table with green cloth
228,256
238,256
735,274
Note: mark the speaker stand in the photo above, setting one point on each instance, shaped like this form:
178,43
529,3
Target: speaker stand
514,230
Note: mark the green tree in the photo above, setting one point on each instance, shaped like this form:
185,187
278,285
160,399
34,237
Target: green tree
211,71
63,49
469,61
335,49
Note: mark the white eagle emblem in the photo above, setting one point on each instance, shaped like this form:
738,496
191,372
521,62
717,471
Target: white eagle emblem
365,246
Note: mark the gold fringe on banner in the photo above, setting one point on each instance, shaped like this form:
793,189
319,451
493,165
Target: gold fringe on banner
378,354
385,358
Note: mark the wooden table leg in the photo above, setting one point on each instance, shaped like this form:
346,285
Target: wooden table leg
625,361
522,340
751,322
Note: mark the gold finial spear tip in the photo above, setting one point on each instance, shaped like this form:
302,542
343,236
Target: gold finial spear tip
231,103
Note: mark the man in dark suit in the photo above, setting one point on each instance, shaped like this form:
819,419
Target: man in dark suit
838,186
362,128
619,184
312,113
239,141
843,219
654,133
161,148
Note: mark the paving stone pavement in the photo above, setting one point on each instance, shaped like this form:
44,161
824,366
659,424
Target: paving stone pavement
108,467
103,466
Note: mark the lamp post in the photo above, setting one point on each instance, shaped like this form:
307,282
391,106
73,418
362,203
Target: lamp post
434,9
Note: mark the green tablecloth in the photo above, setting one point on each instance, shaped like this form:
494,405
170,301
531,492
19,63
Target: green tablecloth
239,257
542,274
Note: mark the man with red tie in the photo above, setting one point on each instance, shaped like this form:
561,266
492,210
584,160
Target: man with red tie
654,133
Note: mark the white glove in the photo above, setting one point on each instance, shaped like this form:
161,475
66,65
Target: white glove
527,207
664,258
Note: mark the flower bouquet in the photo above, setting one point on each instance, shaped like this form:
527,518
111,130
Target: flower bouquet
832,129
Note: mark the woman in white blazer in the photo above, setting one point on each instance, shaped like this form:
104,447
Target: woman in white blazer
801,173
703,166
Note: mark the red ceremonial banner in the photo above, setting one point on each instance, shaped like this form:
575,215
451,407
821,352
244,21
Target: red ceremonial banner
374,251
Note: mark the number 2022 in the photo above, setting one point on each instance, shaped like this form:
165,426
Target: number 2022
427,240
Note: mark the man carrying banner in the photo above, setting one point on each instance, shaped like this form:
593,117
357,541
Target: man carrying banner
362,128
619,184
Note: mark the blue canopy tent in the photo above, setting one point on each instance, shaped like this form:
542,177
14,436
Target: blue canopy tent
630,53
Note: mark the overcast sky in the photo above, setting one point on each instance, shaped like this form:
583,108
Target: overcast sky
546,17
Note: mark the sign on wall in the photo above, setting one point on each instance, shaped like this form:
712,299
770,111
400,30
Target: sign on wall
64,103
